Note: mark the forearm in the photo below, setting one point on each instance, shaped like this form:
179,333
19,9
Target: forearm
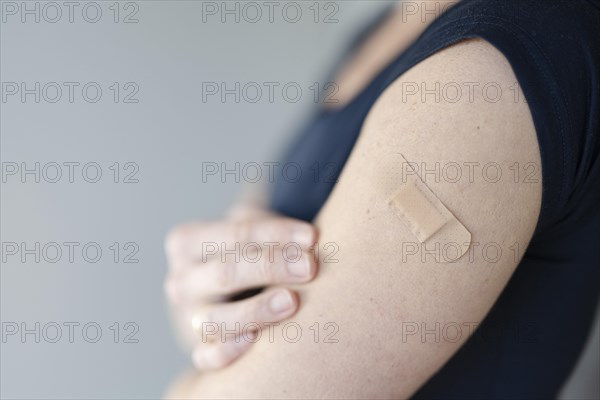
252,202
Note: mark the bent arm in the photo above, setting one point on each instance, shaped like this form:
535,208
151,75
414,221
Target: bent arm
375,295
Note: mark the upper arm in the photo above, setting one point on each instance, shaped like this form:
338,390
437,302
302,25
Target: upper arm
373,292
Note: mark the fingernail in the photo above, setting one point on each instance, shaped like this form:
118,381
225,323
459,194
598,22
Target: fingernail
303,234
280,302
299,268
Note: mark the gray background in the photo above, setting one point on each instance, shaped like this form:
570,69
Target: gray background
169,133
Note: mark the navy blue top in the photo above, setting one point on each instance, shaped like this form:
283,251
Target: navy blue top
530,340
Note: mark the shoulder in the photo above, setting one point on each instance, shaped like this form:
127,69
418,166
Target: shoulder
463,81
460,106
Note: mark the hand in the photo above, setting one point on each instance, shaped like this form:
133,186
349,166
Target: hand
209,263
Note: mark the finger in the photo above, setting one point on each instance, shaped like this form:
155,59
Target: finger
214,322
180,293
199,240
220,354
215,278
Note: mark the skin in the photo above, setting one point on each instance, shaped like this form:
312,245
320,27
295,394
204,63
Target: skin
395,34
201,278
375,297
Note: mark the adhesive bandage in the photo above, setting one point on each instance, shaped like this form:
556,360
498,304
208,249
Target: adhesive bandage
426,216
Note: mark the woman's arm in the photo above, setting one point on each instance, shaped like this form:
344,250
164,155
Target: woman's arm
384,304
